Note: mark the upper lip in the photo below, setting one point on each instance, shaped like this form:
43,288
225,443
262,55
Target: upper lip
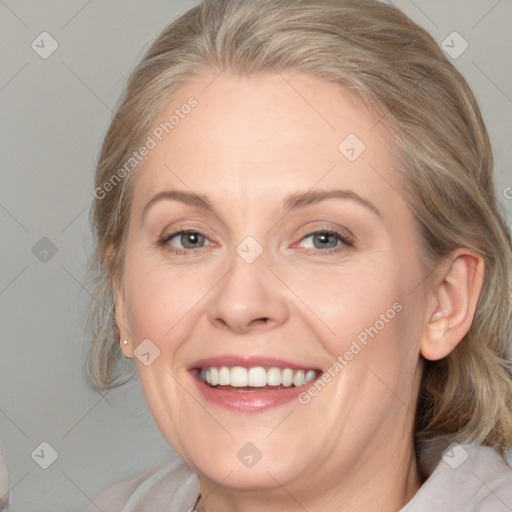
231,360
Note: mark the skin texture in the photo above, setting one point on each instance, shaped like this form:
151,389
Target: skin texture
248,145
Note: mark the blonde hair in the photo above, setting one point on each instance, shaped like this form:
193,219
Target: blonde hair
439,143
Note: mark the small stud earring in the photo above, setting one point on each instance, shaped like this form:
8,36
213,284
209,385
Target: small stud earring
125,342
437,315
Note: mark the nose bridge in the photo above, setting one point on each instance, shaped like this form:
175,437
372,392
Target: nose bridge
248,296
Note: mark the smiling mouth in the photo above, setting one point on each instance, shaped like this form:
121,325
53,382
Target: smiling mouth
257,378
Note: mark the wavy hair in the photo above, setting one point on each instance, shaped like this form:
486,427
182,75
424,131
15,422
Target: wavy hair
440,147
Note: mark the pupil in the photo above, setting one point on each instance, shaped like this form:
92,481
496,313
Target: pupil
191,240
325,240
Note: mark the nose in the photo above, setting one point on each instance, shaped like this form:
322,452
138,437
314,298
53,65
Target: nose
248,298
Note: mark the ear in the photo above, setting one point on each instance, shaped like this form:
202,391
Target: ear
454,297
121,316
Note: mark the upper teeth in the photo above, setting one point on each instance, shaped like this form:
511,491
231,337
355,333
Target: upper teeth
256,377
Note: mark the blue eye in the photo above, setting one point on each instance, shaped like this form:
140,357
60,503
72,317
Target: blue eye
325,241
185,240
322,242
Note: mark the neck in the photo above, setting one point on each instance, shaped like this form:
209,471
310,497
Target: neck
382,485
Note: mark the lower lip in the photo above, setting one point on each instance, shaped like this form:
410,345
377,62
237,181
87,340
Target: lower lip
250,401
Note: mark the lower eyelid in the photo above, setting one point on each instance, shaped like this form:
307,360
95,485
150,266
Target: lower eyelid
343,239
164,241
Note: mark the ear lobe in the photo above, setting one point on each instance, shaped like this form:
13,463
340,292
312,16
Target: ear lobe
455,298
121,318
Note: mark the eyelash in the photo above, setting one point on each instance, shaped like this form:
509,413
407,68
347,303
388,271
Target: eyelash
164,241
344,240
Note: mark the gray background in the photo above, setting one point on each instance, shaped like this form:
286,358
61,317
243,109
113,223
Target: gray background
54,114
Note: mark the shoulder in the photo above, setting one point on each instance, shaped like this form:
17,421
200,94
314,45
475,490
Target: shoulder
467,478
170,486
493,479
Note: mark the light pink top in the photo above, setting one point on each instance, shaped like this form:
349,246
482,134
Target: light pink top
472,478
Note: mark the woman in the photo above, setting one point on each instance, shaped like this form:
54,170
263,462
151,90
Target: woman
300,247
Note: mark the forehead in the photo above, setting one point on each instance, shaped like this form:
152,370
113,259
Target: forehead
265,135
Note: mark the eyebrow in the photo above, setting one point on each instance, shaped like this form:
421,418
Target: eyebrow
292,202
189,198
302,199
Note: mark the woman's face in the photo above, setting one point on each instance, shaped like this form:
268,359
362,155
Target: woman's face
301,254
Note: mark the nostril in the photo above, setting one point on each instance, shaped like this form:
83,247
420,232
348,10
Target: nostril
263,320
242,325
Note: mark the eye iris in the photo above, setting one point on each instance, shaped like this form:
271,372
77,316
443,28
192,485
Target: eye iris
191,240
324,240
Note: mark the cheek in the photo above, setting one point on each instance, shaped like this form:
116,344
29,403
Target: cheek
366,317
149,309
159,297
346,302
